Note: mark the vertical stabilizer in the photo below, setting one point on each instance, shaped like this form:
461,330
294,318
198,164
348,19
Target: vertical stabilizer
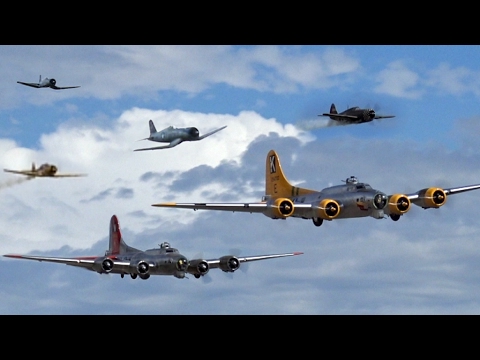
116,245
333,109
40,79
276,184
153,130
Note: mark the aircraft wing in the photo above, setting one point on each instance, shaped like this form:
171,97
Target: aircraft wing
384,116
172,144
86,262
35,85
215,263
239,207
450,191
22,172
68,175
211,133
340,117
64,87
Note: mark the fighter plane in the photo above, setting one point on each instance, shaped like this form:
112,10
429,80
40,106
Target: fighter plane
174,136
354,115
164,260
350,200
45,170
47,83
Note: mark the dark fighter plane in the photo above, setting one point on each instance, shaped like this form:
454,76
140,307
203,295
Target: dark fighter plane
354,115
165,260
174,136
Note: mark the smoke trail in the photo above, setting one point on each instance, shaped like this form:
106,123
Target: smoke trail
308,125
13,182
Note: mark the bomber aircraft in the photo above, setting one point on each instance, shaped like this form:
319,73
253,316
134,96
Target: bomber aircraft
174,136
47,83
354,115
351,200
45,170
165,260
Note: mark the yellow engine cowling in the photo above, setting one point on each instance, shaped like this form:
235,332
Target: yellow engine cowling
281,208
398,204
431,198
328,209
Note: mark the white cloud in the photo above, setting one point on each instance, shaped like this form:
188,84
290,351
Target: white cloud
397,80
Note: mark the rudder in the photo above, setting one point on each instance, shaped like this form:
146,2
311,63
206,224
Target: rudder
153,130
333,109
276,184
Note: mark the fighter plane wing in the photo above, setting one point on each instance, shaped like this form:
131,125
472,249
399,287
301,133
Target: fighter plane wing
21,172
384,116
35,85
172,144
64,87
340,117
215,263
211,133
67,175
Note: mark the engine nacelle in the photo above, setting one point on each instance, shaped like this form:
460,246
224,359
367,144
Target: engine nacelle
328,209
141,267
431,198
229,263
103,265
280,208
198,267
398,204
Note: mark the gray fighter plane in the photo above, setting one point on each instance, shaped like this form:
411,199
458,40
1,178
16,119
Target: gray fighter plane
165,260
174,136
354,115
44,170
350,200
47,83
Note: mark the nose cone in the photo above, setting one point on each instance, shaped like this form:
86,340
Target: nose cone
182,264
193,132
53,81
380,200
53,169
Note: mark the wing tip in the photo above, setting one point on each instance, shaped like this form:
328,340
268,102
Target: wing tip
165,204
298,253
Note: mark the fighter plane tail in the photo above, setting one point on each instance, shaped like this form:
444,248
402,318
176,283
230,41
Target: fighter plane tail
276,183
333,109
153,130
116,244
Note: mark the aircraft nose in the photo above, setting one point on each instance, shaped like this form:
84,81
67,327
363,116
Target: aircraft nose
53,81
380,200
182,264
194,132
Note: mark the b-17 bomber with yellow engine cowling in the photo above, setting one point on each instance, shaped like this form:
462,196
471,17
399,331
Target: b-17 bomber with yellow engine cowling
350,200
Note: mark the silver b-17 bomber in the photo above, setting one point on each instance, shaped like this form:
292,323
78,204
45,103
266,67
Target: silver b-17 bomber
47,83
351,200
354,115
165,260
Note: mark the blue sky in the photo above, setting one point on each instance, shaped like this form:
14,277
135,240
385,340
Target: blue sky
269,98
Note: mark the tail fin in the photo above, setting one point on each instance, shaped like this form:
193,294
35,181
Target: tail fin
40,79
116,245
276,184
33,166
333,109
152,128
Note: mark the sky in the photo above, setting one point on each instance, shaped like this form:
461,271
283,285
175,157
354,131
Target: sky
269,97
